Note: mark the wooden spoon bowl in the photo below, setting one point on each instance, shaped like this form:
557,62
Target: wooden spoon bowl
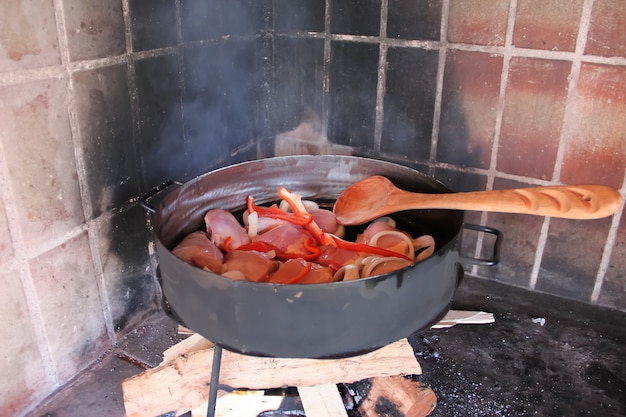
376,196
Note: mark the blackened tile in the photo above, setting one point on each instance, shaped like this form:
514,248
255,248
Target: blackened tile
520,237
414,19
131,287
95,29
612,293
104,118
240,80
596,151
28,35
571,257
478,22
547,25
354,17
459,181
297,81
532,117
353,80
607,36
471,89
220,102
299,15
161,145
243,17
409,102
200,20
153,24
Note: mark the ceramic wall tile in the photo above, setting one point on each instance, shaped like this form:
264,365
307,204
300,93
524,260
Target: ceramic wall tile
414,19
533,114
22,371
606,35
409,102
6,242
66,285
549,25
596,147
94,29
299,16
571,257
105,122
153,24
28,35
469,106
160,144
480,22
40,156
613,290
353,17
352,116
130,287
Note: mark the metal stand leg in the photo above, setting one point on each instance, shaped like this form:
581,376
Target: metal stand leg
215,378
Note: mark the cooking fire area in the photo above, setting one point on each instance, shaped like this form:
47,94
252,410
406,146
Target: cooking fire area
133,131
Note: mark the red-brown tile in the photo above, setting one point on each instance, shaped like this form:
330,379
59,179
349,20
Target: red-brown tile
571,257
36,134
607,36
520,237
28,37
67,291
551,25
532,117
22,374
471,88
596,150
480,22
613,291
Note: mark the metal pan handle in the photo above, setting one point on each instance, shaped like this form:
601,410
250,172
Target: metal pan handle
495,258
143,200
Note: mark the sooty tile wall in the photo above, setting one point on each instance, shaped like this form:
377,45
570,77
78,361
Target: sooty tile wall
101,101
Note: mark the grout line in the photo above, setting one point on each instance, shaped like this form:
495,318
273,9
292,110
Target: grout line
611,242
326,74
21,263
541,245
569,115
507,53
441,67
81,169
382,77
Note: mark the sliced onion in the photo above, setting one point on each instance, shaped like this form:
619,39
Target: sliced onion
347,273
425,242
340,232
308,204
410,247
367,270
253,224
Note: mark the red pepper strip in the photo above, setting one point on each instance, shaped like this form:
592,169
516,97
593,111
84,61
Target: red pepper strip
227,243
267,247
275,213
301,275
362,247
295,202
315,250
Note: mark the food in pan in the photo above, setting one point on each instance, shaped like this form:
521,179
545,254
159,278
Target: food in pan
297,242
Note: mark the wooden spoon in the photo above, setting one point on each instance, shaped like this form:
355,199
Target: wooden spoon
376,196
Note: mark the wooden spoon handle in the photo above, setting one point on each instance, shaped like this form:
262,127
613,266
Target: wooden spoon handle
570,202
